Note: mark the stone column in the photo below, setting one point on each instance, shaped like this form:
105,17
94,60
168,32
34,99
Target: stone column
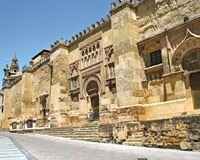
165,56
34,122
18,124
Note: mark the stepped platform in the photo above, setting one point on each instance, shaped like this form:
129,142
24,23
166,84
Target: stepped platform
89,132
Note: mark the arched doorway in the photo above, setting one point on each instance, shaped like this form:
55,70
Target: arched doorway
92,91
191,64
43,104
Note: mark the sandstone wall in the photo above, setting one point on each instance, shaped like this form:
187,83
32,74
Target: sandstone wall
165,109
60,86
7,109
1,105
16,100
117,133
123,114
155,15
127,61
40,86
27,107
181,133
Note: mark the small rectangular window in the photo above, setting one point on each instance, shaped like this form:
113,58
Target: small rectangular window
156,57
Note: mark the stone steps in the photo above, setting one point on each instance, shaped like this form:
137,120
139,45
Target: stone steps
88,132
89,139
134,140
79,132
73,134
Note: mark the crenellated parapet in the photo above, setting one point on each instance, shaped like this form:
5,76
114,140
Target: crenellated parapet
82,34
89,30
57,43
121,3
26,69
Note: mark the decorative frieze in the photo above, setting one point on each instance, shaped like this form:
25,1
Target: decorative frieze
91,54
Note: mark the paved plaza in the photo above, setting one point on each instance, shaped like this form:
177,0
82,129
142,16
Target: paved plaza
9,151
42,147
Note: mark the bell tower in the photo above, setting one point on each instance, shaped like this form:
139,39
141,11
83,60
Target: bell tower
14,66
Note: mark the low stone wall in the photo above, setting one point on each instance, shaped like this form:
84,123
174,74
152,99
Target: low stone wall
118,133
106,133
4,130
177,133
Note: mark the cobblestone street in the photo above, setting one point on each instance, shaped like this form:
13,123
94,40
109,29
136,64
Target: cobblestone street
53,148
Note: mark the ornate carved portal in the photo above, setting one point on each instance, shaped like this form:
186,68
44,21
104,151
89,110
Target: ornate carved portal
186,58
92,90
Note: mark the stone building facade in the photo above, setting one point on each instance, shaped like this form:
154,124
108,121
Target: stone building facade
141,63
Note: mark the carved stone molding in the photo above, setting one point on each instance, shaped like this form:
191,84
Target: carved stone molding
94,78
190,42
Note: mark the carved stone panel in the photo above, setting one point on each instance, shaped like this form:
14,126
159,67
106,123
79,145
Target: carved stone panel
74,69
109,54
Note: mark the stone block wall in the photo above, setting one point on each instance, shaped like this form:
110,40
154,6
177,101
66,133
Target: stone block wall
176,133
117,133
16,100
123,114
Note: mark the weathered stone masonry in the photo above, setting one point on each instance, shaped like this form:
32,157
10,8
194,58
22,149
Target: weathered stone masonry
137,69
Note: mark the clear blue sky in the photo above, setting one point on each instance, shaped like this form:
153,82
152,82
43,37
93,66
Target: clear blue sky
29,26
